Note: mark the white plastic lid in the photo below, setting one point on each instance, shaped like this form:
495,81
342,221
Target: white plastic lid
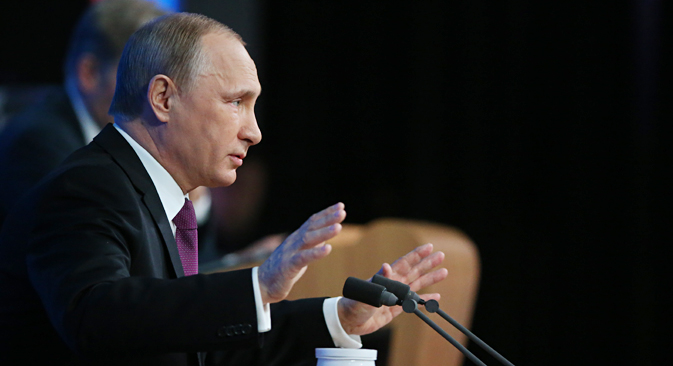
346,353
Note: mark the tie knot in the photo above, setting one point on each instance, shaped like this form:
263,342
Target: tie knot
186,218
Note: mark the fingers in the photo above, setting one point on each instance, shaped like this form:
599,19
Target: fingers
422,281
429,279
321,226
404,264
414,256
385,271
425,265
416,263
303,258
315,237
415,268
329,216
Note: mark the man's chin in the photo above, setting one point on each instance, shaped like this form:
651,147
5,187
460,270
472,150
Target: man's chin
226,180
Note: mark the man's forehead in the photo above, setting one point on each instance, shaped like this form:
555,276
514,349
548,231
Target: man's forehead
223,47
228,58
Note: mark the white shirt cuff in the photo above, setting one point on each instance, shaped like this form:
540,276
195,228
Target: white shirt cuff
339,335
263,310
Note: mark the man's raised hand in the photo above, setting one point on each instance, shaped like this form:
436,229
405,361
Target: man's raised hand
416,269
288,262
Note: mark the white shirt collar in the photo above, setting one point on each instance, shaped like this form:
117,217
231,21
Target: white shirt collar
89,127
169,191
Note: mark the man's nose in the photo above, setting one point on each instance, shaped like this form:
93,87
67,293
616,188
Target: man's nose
250,131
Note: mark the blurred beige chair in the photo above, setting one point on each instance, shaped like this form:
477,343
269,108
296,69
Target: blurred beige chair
360,250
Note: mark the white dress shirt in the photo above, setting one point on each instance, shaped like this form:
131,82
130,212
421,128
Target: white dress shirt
173,199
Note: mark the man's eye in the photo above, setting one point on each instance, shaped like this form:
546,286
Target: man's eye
236,103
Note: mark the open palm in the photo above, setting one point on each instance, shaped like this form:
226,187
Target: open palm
416,269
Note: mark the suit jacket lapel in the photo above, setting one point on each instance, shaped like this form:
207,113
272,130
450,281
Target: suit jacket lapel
124,155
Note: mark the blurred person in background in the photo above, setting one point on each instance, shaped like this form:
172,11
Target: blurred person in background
36,140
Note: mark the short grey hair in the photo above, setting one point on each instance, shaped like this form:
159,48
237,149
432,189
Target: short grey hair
170,45
104,29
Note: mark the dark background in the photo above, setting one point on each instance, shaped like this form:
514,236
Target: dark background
541,129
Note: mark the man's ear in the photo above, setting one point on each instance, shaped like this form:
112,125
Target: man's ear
87,70
161,94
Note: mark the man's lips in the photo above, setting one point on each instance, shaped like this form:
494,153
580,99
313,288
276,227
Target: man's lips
237,158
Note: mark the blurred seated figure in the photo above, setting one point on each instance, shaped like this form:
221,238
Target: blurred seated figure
36,140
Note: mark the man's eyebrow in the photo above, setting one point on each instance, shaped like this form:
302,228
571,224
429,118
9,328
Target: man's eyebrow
242,93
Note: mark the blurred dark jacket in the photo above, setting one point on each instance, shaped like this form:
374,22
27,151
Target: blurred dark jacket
33,143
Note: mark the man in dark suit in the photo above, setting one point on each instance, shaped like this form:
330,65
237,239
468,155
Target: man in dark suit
34,142
98,265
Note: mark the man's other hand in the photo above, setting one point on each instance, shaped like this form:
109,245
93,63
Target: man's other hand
414,269
288,262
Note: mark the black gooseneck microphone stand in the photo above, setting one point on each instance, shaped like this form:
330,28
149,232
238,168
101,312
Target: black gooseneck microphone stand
432,306
411,306
384,291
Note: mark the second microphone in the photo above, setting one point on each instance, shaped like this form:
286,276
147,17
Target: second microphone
368,293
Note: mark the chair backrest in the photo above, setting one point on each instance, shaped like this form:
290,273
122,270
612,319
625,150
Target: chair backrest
360,250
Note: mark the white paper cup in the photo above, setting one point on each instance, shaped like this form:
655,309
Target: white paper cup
345,357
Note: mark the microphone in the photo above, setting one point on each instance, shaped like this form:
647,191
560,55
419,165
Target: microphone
399,289
376,293
368,293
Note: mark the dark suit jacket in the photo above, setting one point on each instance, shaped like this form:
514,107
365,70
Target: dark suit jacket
89,271
33,143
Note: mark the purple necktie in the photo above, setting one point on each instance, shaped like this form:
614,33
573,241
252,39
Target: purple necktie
187,239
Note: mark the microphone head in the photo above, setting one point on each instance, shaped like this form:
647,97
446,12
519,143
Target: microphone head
368,293
399,289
